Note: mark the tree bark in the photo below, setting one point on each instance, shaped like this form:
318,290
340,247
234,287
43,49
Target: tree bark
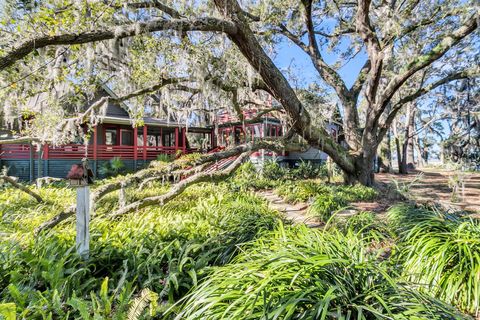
402,168
410,142
385,158
420,153
364,169
404,154
399,153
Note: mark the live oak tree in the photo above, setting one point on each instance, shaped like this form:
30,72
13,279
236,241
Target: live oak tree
460,130
183,57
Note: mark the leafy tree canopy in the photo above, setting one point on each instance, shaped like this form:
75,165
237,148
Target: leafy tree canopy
177,57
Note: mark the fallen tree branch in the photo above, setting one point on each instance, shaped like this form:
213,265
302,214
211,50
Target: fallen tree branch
17,185
56,220
274,145
101,191
47,180
180,173
178,188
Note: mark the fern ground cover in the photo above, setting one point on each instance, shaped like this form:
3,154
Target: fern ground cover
162,251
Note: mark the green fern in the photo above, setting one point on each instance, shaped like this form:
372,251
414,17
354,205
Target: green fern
81,306
147,298
7,311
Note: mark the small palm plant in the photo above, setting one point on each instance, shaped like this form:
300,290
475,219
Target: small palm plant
112,168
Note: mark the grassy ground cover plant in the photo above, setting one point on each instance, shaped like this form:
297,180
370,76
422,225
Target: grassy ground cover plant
441,251
299,273
218,252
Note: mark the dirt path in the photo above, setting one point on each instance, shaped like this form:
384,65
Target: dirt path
296,213
427,186
433,186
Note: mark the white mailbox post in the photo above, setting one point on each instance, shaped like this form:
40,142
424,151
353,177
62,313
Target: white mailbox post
79,178
83,221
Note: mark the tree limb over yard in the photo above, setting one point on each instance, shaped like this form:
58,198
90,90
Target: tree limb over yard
399,40
129,30
175,168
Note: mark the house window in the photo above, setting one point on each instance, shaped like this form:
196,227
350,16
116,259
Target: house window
126,137
110,137
151,141
169,139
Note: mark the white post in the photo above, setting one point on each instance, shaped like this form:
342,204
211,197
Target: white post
83,221
122,198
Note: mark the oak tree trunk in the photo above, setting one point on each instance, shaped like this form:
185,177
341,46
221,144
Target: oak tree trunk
410,142
364,169
399,154
406,158
385,158
402,165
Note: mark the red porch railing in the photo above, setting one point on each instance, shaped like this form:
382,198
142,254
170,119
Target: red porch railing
16,151
78,151
105,152
153,151
70,151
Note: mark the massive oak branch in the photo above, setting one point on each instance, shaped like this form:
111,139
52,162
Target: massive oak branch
119,32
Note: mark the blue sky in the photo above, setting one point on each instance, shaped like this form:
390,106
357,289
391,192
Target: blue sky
289,53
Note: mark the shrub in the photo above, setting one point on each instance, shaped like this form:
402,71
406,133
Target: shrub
306,170
361,221
299,273
356,192
325,205
273,171
403,217
301,191
325,199
165,157
247,178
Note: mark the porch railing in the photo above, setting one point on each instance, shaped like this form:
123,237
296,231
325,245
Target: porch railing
78,151
16,151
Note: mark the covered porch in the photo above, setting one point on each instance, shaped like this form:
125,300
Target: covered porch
113,138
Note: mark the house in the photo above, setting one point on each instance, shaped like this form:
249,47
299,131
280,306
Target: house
266,126
114,136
